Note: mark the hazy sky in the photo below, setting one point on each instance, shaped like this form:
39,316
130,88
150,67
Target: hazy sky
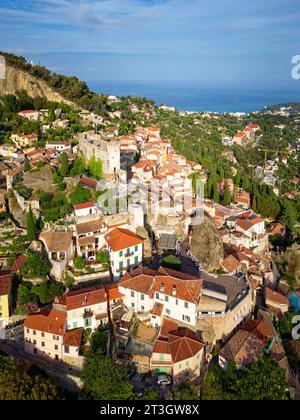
208,42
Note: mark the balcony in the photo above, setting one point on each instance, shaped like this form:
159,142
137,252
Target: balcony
88,313
129,254
128,267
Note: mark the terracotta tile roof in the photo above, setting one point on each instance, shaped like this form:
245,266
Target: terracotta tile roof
141,283
5,282
28,111
73,337
181,344
57,241
88,227
165,281
275,297
113,292
248,343
83,298
167,326
49,321
157,309
84,205
89,182
187,290
230,264
119,239
144,164
18,263
247,224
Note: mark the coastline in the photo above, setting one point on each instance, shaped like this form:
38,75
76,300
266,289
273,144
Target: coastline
200,99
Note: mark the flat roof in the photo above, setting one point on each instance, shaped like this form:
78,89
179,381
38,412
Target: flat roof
167,241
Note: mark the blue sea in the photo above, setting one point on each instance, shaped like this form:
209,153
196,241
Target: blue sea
200,99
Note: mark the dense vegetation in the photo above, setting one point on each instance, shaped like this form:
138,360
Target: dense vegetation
263,380
23,383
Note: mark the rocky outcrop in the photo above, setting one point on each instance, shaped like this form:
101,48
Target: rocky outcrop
206,245
141,231
17,80
15,210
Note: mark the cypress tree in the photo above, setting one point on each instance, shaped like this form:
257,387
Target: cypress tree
227,195
31,233
215,197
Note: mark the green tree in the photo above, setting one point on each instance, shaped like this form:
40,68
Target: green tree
103,380
78,167
80,195
19,383
79,263
26,165
99,342
263,380
215,192
96,167
31,232
187,391
64,165
103,258
37,266
227,195
171,261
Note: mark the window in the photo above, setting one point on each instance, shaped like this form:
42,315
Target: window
43,334
75,324
132,293
34,342
142,296
157,295
136,248
132,305
186,318
128,262
136,259
187,363
27,330
56,347
121,254
176,302
33,332
128,251
43,343
161,357
186,305
167,298
121,265
180,366
168,312
142,308
67,349
87,322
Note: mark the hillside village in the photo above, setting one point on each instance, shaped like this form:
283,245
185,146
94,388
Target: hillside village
101,219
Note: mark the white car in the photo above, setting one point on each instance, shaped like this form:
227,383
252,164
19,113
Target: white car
164,380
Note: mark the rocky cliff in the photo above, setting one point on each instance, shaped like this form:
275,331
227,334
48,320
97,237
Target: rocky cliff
17,80
206,245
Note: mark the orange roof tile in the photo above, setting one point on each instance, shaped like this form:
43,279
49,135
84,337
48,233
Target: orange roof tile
49,321
119,239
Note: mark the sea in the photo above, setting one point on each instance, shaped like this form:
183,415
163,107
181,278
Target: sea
200,99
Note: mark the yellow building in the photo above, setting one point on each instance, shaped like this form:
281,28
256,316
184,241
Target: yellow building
5,295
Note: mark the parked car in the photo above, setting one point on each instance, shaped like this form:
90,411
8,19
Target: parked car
164,380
